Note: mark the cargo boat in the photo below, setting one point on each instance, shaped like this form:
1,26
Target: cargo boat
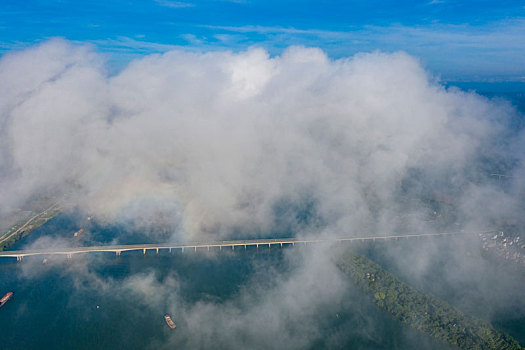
169,321
5,298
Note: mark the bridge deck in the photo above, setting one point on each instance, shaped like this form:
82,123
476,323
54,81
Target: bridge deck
69,251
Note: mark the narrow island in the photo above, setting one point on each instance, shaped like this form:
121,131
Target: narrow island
23,228
424,312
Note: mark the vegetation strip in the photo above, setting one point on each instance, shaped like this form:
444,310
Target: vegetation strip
19,231
424,312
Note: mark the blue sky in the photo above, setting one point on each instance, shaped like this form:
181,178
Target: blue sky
458,40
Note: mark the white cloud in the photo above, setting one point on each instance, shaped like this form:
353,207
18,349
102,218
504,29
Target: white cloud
221,138
192,39
174,4
133,46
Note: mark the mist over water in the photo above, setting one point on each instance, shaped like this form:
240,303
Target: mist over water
201,291
61,315
221,145
234,299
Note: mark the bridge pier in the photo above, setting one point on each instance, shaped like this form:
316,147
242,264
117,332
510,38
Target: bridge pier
195,249
144,251
157,250
208,248
281,244
19,258
169,249
245,247
182,251
118,252
233,247
69,256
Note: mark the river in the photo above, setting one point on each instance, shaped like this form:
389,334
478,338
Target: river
87,302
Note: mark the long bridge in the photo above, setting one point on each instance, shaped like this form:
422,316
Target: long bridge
118,249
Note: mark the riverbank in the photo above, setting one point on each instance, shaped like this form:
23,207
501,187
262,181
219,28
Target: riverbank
423,312
22,229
